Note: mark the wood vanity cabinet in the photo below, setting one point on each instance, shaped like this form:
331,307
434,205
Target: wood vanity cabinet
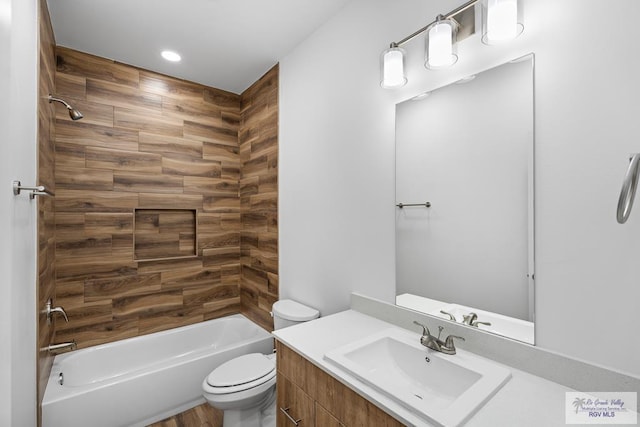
313,398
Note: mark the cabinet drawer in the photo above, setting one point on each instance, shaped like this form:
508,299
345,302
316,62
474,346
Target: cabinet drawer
325,419
295,407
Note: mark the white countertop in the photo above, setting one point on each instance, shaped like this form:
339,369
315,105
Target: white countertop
525,400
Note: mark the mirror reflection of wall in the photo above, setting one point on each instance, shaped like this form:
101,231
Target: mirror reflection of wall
467,148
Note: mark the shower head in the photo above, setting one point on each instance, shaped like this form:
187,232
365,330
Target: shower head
73,113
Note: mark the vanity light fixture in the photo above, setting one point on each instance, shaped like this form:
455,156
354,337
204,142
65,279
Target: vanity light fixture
392,63
171,56
500,21
440,43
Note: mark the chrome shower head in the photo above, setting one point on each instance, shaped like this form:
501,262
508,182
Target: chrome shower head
73,113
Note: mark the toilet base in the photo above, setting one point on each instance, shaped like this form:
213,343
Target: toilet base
260,415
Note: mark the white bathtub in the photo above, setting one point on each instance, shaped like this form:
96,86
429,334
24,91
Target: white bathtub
138,381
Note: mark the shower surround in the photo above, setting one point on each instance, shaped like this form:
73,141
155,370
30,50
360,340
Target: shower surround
150,143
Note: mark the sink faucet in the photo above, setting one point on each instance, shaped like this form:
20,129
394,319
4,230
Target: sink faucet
471,320
435,343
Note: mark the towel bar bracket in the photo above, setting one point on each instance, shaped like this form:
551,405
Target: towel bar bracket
40,190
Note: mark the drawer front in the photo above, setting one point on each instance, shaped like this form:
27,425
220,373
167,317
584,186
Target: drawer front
325,419
295,407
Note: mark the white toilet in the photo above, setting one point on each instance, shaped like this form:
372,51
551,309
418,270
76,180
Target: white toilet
244,387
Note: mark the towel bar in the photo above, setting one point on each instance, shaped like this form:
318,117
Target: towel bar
425,204
628,192
40,190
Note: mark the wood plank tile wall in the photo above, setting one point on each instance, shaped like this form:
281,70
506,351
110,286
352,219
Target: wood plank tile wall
153,142
259,198
46,205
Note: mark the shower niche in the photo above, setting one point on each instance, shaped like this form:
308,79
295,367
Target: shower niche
161,234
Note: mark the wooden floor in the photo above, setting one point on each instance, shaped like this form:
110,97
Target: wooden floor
200,416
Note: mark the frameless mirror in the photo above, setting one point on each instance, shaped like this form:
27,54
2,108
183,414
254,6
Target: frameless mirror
464,194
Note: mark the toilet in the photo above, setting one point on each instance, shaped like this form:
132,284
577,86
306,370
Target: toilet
245,387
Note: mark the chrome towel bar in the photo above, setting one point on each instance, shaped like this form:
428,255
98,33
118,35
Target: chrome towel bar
403,205
628,192
35,191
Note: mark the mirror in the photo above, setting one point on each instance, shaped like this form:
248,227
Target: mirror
464,197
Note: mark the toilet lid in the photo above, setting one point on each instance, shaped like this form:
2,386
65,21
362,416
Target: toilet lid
291,310
242,370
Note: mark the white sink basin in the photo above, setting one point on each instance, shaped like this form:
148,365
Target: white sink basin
446,389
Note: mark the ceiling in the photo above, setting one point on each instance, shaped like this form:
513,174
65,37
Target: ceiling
227,44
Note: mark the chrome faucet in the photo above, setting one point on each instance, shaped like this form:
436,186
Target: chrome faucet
58,348
435,343
471,320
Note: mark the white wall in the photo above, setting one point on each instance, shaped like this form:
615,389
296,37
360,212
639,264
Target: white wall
18,86
337,163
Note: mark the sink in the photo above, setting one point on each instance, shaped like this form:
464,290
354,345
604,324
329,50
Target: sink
445,389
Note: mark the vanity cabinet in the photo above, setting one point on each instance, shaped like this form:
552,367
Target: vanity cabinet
314,398
294,402
325,419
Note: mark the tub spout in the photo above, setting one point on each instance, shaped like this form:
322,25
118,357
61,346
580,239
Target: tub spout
59,348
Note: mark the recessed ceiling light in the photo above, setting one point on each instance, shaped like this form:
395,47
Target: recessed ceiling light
170,56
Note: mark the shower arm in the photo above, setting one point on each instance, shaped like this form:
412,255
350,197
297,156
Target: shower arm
73,113
62,101
628,192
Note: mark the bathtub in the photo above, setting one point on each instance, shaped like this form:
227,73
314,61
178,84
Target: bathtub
141,380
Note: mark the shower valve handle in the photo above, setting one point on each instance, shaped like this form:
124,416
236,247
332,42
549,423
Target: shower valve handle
50,311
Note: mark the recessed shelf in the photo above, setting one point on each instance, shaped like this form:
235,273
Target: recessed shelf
161,234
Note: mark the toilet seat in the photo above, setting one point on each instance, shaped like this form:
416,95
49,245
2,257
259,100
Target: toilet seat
240,374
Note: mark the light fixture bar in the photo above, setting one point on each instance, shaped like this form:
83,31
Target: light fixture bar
449,15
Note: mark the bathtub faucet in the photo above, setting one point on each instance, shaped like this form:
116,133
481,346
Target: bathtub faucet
59,348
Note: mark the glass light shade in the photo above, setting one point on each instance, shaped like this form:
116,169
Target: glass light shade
501,21
392,68
440,45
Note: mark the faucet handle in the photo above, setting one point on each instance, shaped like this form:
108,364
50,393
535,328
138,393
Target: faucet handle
425,330
476,323
449,341
50,311
451,316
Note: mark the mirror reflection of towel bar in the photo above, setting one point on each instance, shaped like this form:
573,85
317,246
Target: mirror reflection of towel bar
628,192
425,204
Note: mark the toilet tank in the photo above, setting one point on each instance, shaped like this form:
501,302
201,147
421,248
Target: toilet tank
287,312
